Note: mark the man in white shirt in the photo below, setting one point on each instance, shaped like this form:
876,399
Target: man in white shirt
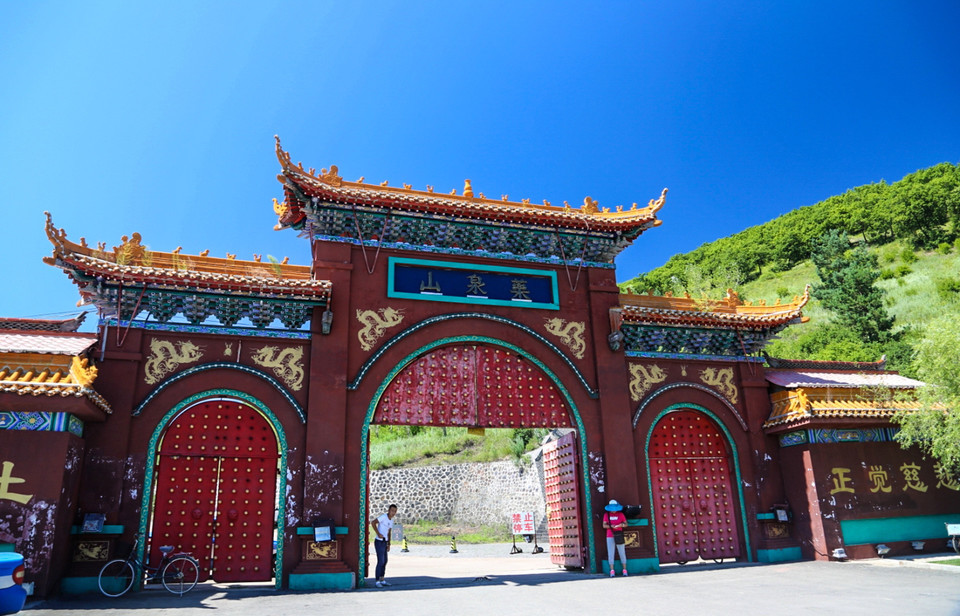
383,527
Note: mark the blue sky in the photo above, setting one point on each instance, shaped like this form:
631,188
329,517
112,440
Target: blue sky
159,117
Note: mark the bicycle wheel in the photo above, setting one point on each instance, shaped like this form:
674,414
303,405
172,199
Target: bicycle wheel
180,575
116,577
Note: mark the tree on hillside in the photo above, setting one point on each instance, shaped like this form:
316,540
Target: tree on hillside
848,286
936,427
924,202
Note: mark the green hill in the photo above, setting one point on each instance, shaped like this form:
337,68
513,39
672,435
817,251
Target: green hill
911,226
922,210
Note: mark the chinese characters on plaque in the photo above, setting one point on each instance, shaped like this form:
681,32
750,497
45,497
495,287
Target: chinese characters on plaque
473,284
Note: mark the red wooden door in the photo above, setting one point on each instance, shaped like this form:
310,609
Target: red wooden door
563,501
216,490
690,473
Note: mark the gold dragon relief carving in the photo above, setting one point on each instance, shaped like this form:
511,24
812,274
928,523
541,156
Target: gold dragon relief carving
375,324
166,357
569,332
721,379
643,378
286,363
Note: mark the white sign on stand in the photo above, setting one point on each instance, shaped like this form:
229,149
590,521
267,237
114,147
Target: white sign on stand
522,524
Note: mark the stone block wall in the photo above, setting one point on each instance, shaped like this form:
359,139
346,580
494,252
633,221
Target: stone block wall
472,493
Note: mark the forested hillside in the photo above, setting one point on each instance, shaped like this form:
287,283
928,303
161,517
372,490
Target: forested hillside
882,258
922,209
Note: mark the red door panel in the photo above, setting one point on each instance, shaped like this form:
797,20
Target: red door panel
692,490
716,521
563,502
474,386
184,507
246,511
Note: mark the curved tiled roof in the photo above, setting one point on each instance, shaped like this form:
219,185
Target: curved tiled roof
329,185
132,264
728,313
840,379
54,381
803,405
44,325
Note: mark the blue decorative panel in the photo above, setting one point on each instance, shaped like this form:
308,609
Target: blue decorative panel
41,421
794,438
827,436
447,281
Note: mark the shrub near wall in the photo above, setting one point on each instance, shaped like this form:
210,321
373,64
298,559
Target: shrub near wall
471,494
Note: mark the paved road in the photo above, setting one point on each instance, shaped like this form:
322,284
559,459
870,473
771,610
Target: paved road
483,581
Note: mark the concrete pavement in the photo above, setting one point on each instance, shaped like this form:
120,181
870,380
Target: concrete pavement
486,581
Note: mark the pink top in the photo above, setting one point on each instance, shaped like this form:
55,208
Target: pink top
614,518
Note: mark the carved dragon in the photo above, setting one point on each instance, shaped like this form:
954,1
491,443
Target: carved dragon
165,358
286,363
374,324
643,378
569,332
722,380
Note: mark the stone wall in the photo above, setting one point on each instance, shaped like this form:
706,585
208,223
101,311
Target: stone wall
470,494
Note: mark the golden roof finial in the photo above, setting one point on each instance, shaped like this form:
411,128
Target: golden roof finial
82,373
656,205
467,189
589,205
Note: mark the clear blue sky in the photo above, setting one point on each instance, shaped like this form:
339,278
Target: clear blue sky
159,117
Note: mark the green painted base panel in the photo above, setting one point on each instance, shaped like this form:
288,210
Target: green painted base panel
321,581
906,528
79,585
637,565
7,547
780,555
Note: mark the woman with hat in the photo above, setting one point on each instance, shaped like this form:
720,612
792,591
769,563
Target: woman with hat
614,521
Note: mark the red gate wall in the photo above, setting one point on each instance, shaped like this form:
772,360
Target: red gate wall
692,490
216,490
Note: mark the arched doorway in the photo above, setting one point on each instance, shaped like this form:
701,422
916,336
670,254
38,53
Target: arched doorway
215,492
487,383
692,478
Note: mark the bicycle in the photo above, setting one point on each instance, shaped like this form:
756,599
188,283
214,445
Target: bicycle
178,573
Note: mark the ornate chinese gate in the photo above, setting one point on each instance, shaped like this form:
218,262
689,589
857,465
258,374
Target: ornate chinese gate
692,490
563,501
216,490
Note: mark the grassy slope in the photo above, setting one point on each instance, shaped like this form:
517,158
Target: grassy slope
431,447
912,298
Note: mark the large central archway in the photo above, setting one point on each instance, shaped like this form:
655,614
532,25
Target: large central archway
477,382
